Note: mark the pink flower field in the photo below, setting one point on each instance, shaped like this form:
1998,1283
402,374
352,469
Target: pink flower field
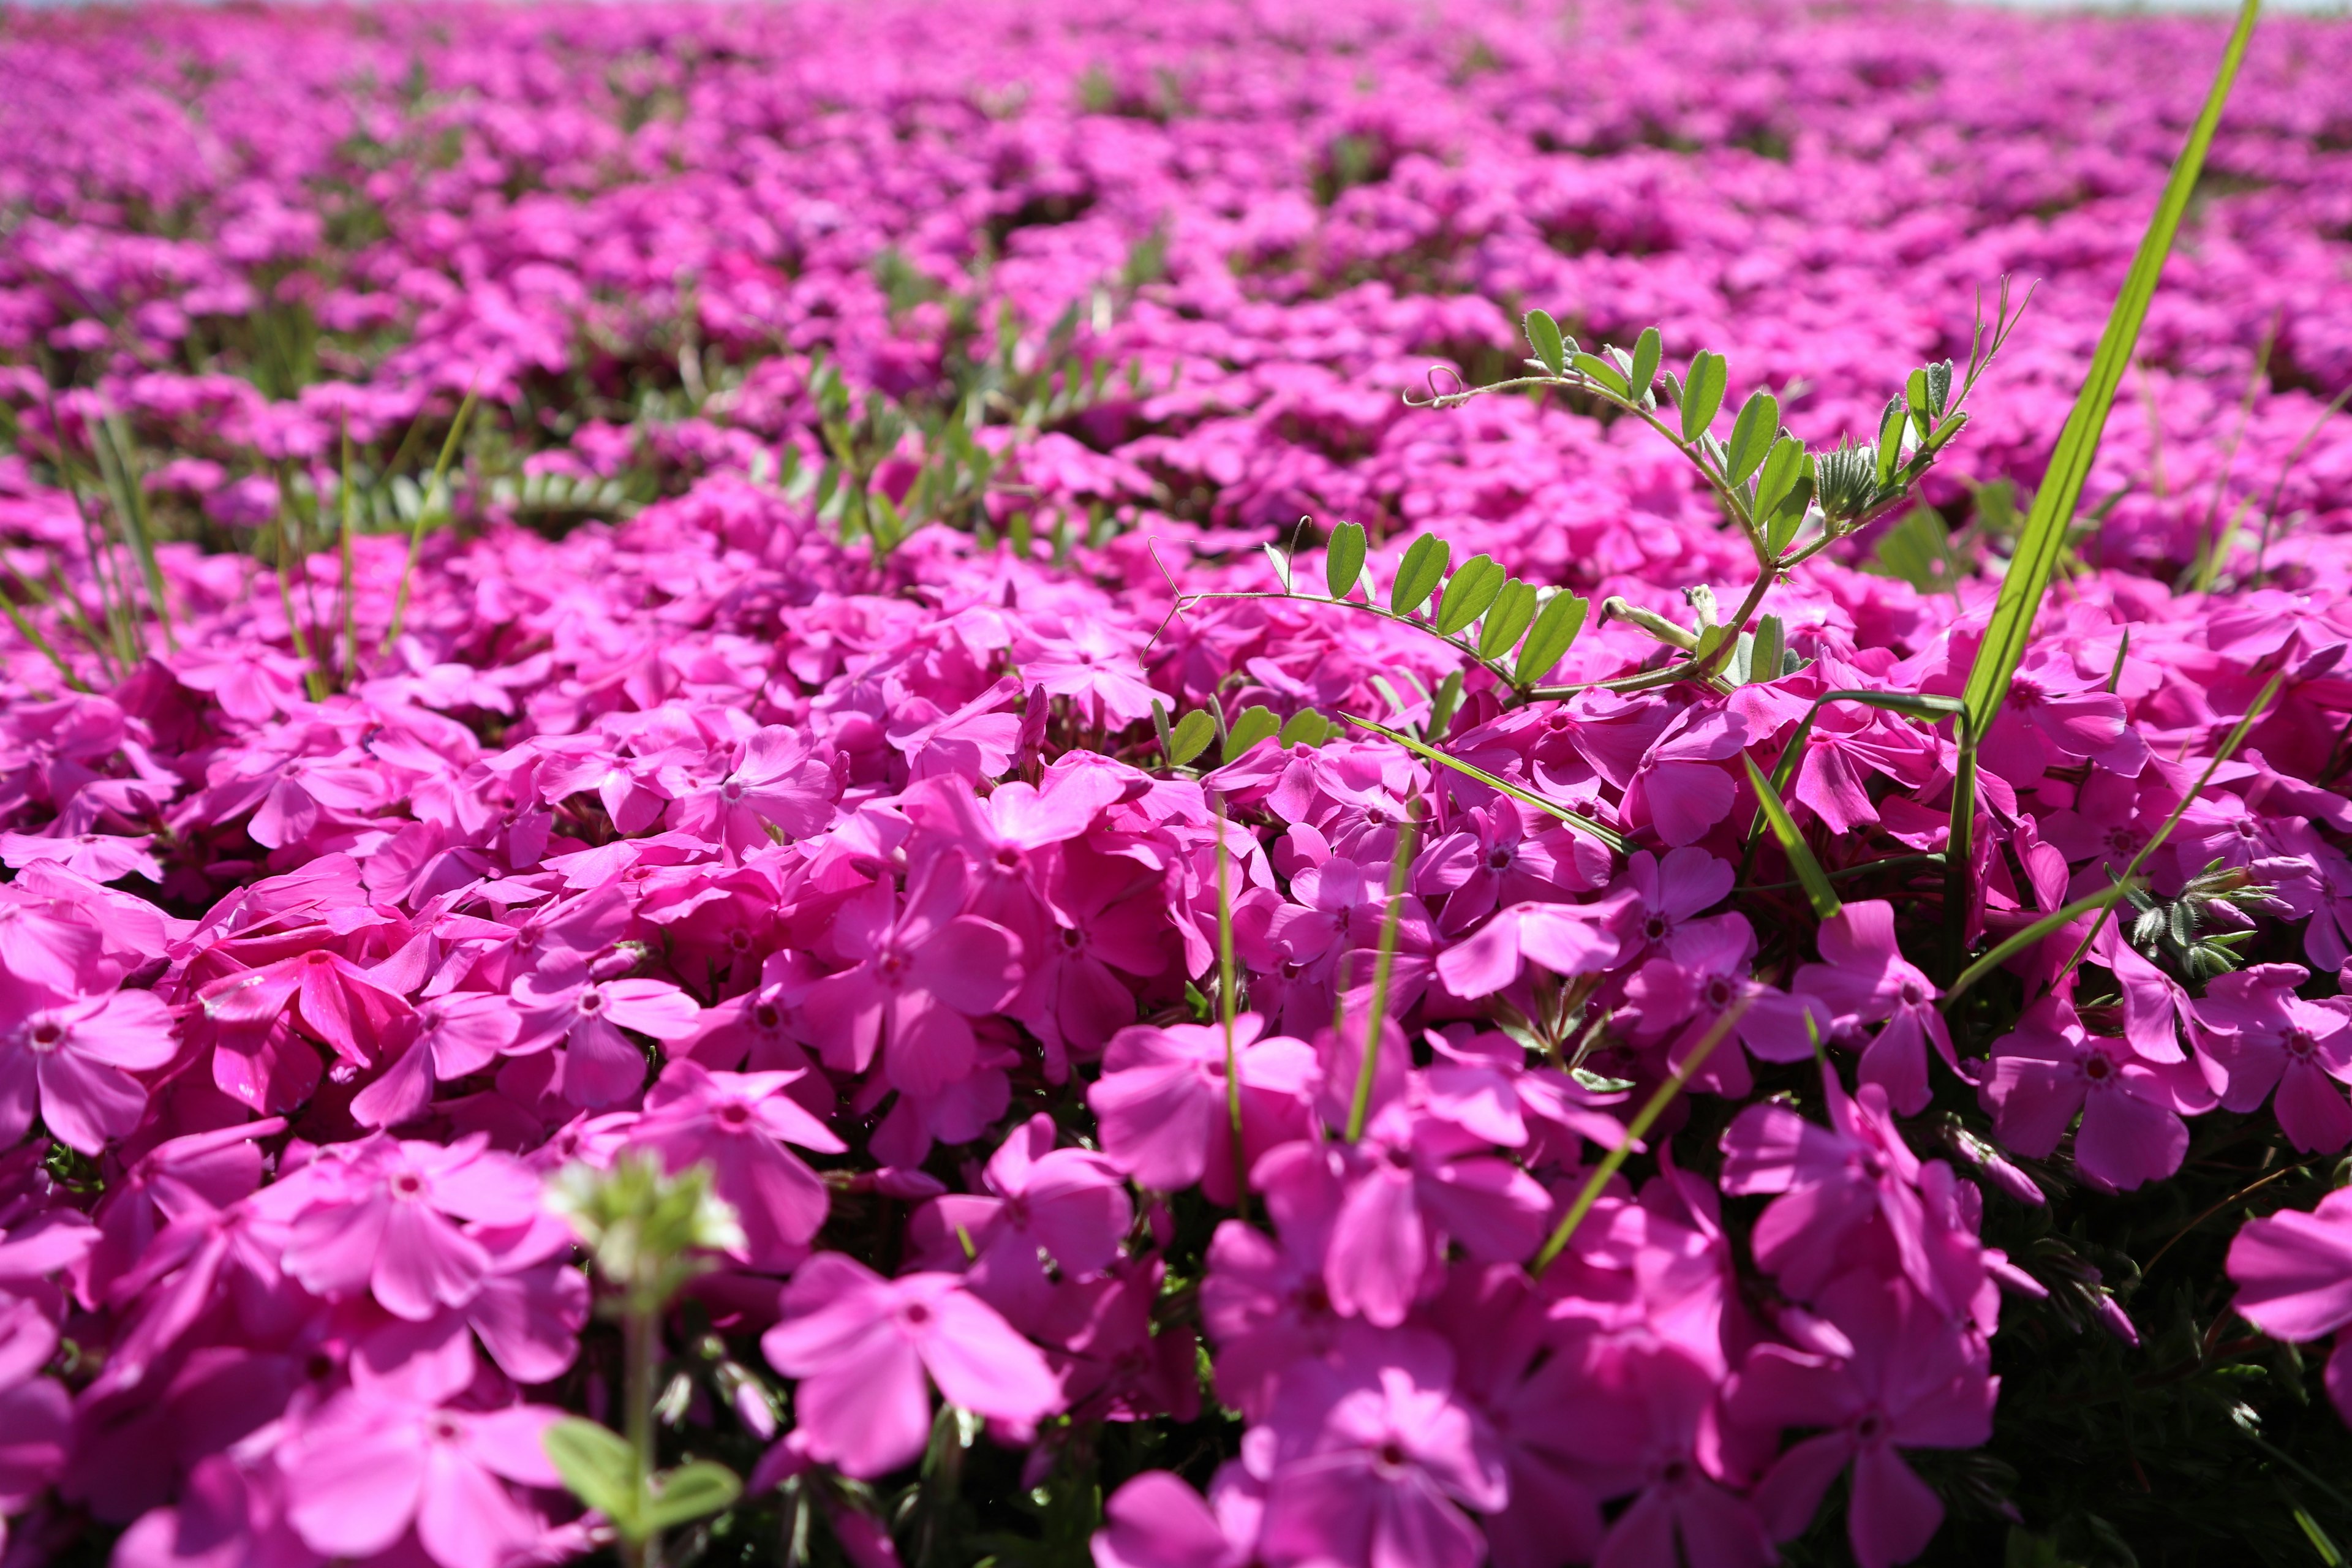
829,784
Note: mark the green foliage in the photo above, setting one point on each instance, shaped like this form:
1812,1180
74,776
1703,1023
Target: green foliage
1417,578
1549,641
1816,883
1344,562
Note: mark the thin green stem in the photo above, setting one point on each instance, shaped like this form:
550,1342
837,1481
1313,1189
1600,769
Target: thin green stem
1384,963
642,1351
1228,1005
1643,1121
432,492
351,664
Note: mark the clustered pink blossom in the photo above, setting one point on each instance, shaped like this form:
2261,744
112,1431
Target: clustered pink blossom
859,877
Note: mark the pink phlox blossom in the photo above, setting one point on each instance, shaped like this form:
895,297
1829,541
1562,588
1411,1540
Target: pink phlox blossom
861,1346
1862,979
1908,1378
453,1036
1566,939
67,1057
333,1000
2050,1068
1840,1189
230,1514
1102,918
975,741
740,1124
1684,789
2257,1035
1113,1364
565,1007
1090,662
2293,1273
179,1179
368,1468
1506,853
1067,1207
1689,999
1162,1109
2054,715
783,782
1155,1520
389,1217
919,973
1641,1417
1370,1458
100,857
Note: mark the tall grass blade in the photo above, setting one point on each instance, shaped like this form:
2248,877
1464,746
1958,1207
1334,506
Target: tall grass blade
1801,859
2061,490
433,492
112,441
1383,966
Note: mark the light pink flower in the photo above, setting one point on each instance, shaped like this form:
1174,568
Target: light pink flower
68,1059
739,1124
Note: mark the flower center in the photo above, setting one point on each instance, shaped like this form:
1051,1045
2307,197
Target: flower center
1870,1428
1008,858
1073,939
2300,1043
916,1314
407,1186
1656,927
1911,994
738,941
1498,859
46,1035
1674,1472
2098,1070
890,967
1391,1454
592,1001
730,792
766,1015
732,1117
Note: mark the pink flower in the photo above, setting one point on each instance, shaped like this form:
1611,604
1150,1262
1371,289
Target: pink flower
457,1034
369,1466
381,1215
1911,1380
920,973
1566,939
1865,979
739,1124
860,1345
2260,1034
564,1006
1163,1108
782,783
1373,1459
2050,1068
1506,854
1069,1206
337,1001
2295,1281
100,857
1157,1522
68,1060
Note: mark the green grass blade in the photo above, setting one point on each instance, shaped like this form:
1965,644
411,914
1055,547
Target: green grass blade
1581,824
2018,941
416,531
2061,490
1801,856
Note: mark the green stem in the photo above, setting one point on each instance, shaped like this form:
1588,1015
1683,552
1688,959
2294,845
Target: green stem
424,510
1227,1005
642,1352
1375,1025
1959,851
1643,1121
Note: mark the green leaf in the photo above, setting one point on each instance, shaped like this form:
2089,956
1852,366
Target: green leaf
597,1464
1921,401
1782,469
1764,653
690,1492
1543,336
1417,579
1344,562
1553,634
1598,370
2069,465
1442,704
1918,551
2018,941
1255,724
1307,726
1818,890
1751,435
1701,393
1780,527
1890,438
1467,596
1647,348
1507,617
1582,824
1190,737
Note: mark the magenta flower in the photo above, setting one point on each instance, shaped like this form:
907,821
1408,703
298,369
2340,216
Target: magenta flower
68,1060
2295,1281
2050,1068
1157,1522
1566,939
1374,1458
368,1467
1837,1185
1163,1108
383,1217
1506,853
782,784
739,1124
1865,979
920,973
2262,1035
1069,1206
335,1001
582,1017
1913,1380
861,1344
100,857
457,1034
1683,787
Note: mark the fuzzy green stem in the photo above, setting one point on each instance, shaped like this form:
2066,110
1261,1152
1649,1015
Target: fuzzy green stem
1227,1005
642,1351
